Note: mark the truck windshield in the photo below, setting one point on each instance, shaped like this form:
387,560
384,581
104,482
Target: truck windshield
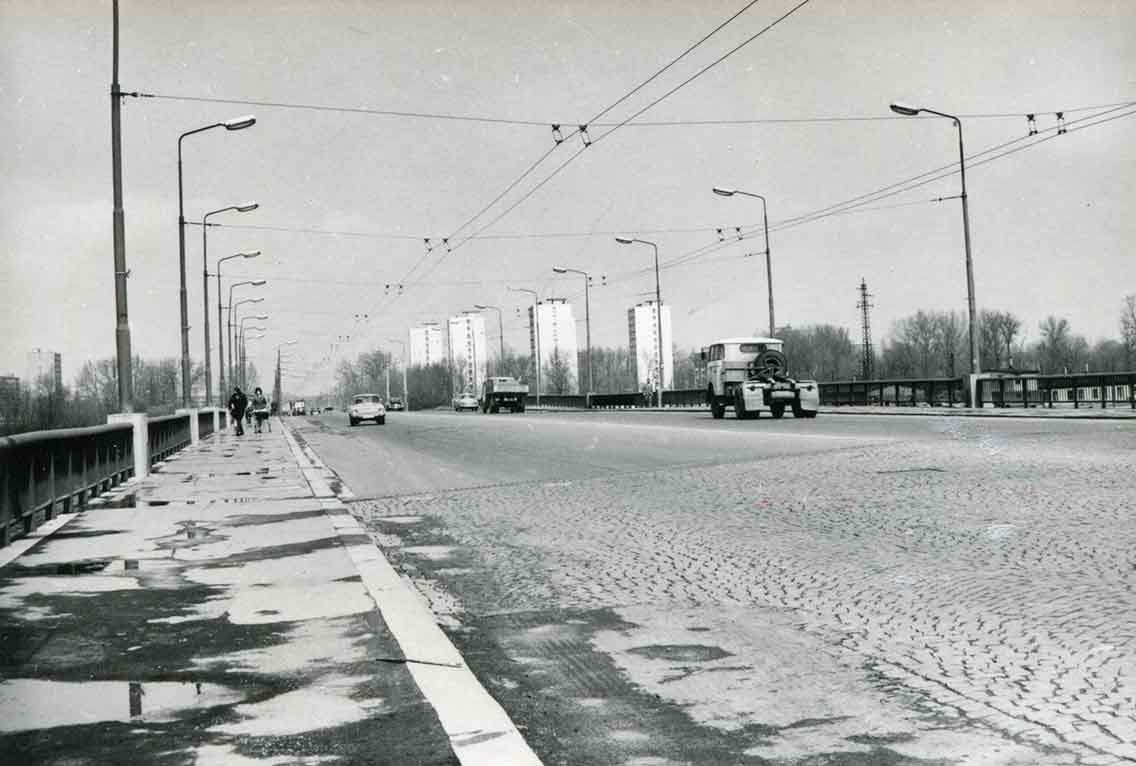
752,348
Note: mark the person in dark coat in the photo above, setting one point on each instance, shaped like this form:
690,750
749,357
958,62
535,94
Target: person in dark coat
238,403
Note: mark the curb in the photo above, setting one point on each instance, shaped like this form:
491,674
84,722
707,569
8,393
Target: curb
480,731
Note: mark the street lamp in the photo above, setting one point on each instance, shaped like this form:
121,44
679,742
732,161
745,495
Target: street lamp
233,323
239,123
658,306
500,331
768,263
405,390
232,306
241,337
912,111
587,314
220,332
205,287
276,382
536,332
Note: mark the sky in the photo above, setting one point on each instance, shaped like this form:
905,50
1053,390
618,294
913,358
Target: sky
347,196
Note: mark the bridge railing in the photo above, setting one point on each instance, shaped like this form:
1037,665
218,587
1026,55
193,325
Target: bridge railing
44,473
895,392
1116,389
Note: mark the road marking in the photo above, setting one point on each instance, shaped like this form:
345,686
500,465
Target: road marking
480,732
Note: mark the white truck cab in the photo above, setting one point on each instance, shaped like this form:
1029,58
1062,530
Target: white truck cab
749,374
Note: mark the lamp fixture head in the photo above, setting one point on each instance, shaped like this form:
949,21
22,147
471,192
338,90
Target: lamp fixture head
624,240
905,110
248,208
724,192
240,123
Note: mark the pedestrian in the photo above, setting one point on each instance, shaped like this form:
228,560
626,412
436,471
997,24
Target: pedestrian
259,409
238,403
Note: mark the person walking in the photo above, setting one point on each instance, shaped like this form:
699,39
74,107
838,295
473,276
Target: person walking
238,403
259,410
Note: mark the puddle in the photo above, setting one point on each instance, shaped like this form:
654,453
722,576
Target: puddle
31,704
681,652
190,535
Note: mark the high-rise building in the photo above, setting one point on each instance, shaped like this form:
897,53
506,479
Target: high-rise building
9,397
559,368
468,352
426,346
643,331
45,371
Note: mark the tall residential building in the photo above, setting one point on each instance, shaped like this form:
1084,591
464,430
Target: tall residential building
559,368
426,346
45,369
468,351
643,332
9,397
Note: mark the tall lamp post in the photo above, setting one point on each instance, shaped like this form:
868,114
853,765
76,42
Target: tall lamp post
242,338
500,331
118,223
232,316
912,111
239,123
205,287
768,262
536,332
405,390
658,305
220,332
587,314
276,390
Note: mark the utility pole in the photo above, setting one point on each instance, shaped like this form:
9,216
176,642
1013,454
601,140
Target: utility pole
122,321
866,355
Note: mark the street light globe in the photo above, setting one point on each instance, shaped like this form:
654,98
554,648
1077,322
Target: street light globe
724,192
904,109
259,283
560,270
247,208
250,254
240,123
624,240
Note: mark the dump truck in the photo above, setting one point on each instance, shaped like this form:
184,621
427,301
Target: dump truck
503,392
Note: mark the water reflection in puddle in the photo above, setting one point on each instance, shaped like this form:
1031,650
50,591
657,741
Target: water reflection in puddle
35,704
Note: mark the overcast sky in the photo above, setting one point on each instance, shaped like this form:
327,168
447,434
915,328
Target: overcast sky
1052,224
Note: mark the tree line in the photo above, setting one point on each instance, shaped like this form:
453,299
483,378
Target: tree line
93,395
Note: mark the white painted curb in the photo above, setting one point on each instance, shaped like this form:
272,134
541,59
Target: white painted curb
480,731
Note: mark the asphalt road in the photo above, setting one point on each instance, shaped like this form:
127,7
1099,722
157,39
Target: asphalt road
657,588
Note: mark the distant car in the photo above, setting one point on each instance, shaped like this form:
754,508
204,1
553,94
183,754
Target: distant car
367,407
465,401
329,409
396,404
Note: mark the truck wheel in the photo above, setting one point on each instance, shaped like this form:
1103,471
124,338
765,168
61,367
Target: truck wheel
381,421
740,405
494,409
717,410
777,410
809,413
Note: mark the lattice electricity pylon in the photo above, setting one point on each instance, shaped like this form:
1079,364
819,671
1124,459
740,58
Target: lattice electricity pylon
867,358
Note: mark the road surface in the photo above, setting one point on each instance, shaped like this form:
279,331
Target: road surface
664,588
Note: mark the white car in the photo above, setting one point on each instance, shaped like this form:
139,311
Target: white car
367,407
465,401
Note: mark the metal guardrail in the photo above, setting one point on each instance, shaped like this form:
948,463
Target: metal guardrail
47,471
168,434
896,392
1084,390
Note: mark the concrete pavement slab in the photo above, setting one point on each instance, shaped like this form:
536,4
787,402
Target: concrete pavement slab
220,620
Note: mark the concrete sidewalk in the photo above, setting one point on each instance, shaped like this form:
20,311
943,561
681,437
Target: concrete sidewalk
236,614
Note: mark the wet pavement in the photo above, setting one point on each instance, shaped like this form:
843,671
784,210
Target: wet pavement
224,619
665,589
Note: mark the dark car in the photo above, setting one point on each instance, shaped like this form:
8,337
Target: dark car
396,404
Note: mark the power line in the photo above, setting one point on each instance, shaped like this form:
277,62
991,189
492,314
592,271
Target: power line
593,123
516,236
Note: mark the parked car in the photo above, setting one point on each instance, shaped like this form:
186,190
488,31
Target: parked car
465,401
367,407
396,404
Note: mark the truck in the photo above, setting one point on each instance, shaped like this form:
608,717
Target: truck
503,392
751,375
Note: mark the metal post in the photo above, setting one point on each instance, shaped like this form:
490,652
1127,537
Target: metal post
974,361
220,342
658,322
768,266
122,320
588,328
182,293
205,312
